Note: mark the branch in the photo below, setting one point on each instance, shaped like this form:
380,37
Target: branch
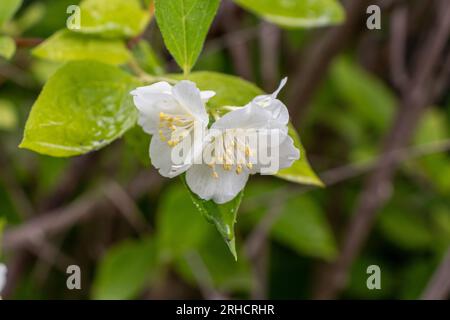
378,186
439,286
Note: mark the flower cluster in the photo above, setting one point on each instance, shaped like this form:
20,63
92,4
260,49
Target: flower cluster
217,159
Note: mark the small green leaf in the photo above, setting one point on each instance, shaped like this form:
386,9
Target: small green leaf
7,47
125,270
8,115
83,107
223,216
296,13
66,46
184,25
7,9
113,18
180,227
300,171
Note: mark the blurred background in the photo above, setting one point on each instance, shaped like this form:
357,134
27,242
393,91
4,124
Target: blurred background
372,108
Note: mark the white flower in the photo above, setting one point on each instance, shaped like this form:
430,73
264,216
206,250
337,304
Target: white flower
233,157
171,114
2,277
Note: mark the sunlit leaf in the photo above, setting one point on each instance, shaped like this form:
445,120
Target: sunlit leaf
113,18
7,9
83,107
7,47
66,46
184,25
296,13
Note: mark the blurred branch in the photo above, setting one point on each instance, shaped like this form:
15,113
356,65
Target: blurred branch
397,47
61,219
28,42
308,76
202,276
239,52
270,43
439,286
378,186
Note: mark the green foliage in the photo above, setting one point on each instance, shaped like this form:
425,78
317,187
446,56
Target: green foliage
147,58
126,270
7,47
184,25
180,226
7,9
113,18
300,223
296,13
223,216
8,115
83,107
66,46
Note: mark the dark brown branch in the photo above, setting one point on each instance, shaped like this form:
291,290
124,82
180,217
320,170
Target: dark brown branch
397,47
270,38
378,186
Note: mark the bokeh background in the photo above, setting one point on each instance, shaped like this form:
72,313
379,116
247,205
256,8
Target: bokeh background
372,108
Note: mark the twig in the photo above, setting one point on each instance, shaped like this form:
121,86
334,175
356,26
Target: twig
270,38
439,286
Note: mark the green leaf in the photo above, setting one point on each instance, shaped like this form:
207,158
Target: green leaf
83,107
301,224
184,25
300,171
7,9
180,227
66,46
223,216
227,275
7,47
113,18
367,96
296,13
125,270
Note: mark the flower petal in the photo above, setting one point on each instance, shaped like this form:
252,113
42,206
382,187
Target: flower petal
248,117
222,189
161,158
188,96
206,95
270,103
3,271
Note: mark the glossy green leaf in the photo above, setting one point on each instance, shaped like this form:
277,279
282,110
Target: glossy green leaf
184,25
7,47
180,227
83,107
8,115
126,270
296,13
7,9
223,216
113,18
66,46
